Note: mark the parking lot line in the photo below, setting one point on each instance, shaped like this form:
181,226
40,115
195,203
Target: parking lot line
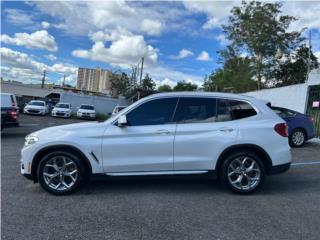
304,163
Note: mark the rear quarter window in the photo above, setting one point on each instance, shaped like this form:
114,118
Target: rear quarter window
233,110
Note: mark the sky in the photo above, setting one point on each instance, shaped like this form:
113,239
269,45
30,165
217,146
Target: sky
179,40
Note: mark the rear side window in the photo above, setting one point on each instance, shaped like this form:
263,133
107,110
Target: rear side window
154,112
240,109
196,110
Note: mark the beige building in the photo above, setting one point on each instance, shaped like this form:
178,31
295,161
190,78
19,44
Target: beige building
96,80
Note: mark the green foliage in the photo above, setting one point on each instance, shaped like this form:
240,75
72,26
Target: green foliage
164,88
148,83
294,69
185,86
260,30
119,84
235,76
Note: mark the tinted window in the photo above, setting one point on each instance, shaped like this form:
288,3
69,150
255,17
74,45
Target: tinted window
196,110
154,112
241,109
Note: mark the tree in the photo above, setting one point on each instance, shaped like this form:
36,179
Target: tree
294,68
148,83
119,84
164,88
235,75
259,30
185,86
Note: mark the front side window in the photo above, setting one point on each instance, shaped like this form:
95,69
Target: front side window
154,112
196,110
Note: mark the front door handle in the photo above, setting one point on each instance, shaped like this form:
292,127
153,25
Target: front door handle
226,129
162,132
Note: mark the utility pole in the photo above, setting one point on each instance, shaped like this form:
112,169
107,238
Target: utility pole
64,80
309,55
43,78
142,60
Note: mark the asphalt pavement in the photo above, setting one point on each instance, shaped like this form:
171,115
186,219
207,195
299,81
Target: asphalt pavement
287,206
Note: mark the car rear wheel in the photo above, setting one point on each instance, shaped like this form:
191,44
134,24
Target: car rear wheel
242,172
297,138
60,172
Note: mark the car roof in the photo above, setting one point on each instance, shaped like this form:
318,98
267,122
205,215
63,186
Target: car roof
206,94
63,103
87,105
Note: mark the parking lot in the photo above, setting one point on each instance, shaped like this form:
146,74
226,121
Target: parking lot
286,207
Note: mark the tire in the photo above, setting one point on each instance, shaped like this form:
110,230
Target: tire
297,138
235,163
66,169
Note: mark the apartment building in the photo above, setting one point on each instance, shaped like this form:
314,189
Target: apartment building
96,80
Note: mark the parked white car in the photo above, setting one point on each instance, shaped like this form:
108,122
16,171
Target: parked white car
86,111
62,110
36,107
236,138
117,109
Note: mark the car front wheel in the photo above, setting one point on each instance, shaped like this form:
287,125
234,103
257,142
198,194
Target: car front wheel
242,172
60,172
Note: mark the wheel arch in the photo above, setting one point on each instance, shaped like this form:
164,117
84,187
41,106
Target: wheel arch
249,147
63,147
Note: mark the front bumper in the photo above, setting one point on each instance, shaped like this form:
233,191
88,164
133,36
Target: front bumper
87,116
61,114
34,111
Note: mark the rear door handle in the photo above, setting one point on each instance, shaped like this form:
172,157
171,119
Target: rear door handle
162,132
226,129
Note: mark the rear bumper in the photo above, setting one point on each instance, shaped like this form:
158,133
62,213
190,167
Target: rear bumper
279,168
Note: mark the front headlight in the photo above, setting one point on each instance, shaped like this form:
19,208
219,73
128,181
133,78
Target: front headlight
29,140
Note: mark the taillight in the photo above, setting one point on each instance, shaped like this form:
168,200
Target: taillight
281,129
13,114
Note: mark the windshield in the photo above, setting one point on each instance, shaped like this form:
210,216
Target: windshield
36,103
88,107
62,105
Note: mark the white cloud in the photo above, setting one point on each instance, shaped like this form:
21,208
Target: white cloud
51,57
217,11
123,52
19,66
37,40
45,24
221,38
184,53
151,27
307,13
204,56
103,15
18,17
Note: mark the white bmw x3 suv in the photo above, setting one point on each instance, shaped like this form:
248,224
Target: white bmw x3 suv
239,139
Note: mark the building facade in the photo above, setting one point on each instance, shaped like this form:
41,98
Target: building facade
95,80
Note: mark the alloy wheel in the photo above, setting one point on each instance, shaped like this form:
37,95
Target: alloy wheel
244,173
298,138
60,173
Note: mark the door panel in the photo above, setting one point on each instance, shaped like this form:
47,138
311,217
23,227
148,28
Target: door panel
197,145
138,148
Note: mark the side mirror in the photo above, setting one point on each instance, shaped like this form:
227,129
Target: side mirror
122,121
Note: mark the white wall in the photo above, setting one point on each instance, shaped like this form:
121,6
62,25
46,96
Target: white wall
102,105
293,97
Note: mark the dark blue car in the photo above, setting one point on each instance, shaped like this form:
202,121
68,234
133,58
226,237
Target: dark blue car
301,126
